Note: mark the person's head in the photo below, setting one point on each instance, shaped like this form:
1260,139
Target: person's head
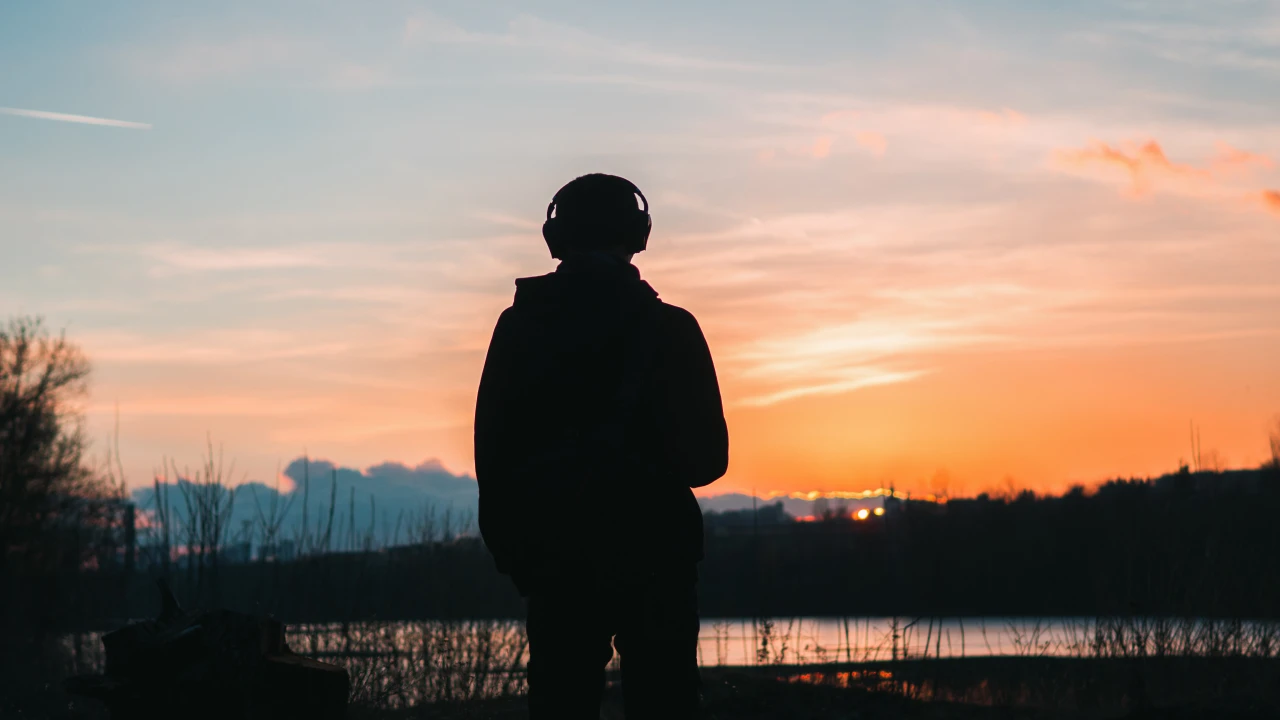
597,212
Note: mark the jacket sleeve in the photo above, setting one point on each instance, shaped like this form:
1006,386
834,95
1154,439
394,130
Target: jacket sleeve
493,430
495,388
696,437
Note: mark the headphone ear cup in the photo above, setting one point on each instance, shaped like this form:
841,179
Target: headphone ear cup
555,241
645,226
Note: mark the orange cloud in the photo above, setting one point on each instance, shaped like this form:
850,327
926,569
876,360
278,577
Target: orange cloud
1145,165
843,123
1148,168
873,141
1230,158
1271,200
821,147
1005,117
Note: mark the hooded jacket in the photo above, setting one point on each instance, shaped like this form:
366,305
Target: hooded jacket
554,372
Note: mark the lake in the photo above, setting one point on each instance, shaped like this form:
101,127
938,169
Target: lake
396,663
800,641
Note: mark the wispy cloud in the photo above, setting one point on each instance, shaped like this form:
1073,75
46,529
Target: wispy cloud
196,59
275,58
528,31
66,117
180,258
194,259
864,378
847,124
845,357
206,406
208,347
811,304
1231,158
354,76
1222,40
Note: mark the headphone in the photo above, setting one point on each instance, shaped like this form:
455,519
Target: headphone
631,228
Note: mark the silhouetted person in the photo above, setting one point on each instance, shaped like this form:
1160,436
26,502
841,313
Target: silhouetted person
598,410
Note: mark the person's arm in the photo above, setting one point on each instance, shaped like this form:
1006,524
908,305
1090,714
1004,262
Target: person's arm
493,438
696,437
494,392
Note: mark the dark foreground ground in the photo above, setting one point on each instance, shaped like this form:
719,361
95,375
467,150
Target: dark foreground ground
744,697
995,688
1004,688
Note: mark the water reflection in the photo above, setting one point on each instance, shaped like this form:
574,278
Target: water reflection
403,663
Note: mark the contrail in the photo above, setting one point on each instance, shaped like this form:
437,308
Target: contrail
64,117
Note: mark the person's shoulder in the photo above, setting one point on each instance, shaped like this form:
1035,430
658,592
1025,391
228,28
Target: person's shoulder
674,312
534,289
677,318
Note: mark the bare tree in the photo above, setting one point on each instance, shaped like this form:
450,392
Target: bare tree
1211,460
1275,442
208,498
1197,463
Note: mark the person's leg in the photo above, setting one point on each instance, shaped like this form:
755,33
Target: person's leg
568,651
658,641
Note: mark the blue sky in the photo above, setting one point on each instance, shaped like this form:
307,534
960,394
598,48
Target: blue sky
308,247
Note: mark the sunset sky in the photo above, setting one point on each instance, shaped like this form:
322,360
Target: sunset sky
936,245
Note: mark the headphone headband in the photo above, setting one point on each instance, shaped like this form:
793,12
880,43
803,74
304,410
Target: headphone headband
635,191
